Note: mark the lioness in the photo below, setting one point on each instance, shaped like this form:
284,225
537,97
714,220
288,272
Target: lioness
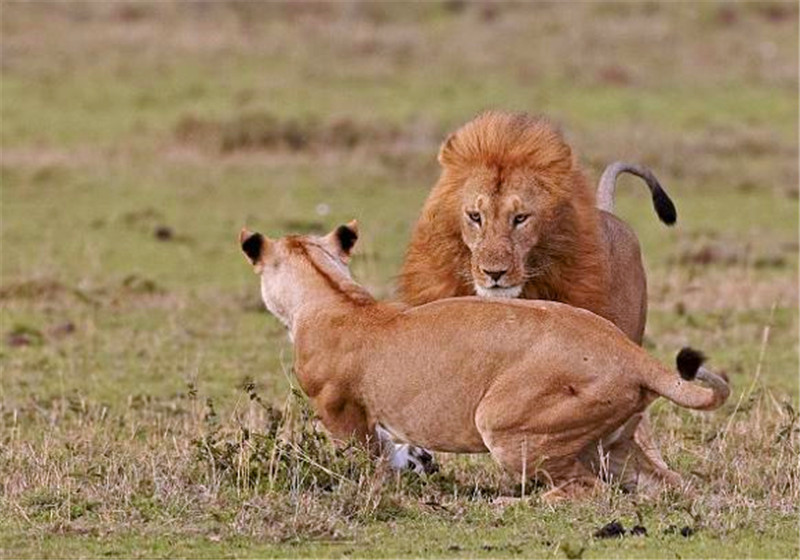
459,374
513,216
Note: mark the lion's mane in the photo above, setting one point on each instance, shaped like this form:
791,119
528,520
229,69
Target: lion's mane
569,260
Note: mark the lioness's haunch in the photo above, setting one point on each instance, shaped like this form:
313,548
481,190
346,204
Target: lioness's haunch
512,215
460,375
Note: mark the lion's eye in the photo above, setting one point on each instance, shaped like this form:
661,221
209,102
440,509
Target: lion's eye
474,217
520,219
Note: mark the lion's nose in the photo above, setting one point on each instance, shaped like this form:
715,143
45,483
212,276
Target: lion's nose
494,274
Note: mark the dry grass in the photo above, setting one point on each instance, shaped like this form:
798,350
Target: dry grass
139,137
74,467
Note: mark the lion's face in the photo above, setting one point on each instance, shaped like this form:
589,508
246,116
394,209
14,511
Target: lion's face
502,220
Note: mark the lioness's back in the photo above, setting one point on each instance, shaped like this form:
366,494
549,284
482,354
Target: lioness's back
509,323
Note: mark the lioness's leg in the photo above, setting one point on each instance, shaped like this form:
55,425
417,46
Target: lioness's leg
343,416
547,454
526,457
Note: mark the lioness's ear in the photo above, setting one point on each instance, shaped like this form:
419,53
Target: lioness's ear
344,238
253,245
447,151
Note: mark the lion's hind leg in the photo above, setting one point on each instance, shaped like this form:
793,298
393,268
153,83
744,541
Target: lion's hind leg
577,482
629,457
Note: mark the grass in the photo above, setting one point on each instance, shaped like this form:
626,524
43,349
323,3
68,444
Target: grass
128,314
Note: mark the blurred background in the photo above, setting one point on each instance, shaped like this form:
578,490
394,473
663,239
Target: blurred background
138,137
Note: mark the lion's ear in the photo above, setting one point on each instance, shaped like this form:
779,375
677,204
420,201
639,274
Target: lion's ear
343,238
447,151
253,246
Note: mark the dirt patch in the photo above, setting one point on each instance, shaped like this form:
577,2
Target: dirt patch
776,12
32,289
735,141
42,290
682,290
134,284
711,253
131,13
23,335
62,330
614,75
133,287
727,16
150,221
267,132
48,160
26,335
727,253
142,217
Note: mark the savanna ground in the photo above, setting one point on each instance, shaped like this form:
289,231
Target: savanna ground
145,396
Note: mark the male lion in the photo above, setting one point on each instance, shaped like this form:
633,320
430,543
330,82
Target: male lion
512,215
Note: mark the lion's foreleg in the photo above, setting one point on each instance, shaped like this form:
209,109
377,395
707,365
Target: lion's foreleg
403,456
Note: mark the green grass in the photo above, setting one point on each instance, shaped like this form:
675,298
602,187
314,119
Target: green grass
113,339
513,536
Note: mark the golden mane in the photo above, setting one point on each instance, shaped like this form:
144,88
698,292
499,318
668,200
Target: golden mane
570,256
506,140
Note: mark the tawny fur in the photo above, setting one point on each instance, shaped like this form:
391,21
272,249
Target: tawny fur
570,254
569,251
460,374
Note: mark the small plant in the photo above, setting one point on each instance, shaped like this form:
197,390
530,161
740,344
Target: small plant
286,451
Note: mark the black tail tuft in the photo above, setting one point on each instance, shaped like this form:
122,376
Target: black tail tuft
689,361
664,206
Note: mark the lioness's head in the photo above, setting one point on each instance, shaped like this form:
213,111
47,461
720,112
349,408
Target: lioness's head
298,268
510,175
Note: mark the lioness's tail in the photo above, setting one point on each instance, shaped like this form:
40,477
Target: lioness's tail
681,390
608,182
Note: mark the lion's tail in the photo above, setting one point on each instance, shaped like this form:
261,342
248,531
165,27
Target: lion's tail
608,182
681,390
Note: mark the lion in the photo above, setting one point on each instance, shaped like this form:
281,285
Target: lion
534,398
513,216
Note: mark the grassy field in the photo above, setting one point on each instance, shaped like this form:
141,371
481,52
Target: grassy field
146,406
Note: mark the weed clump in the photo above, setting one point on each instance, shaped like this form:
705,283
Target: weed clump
24,335
134,284
288,452
264,131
